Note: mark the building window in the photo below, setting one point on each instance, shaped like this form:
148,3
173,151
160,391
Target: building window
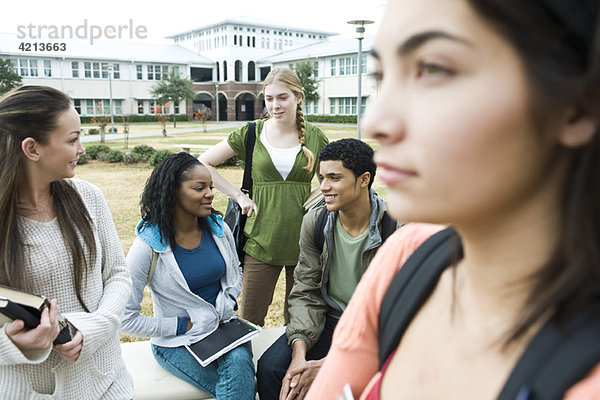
342,66
96,70
47,68
235,40
28,67
176,70
363,64
77,105
116,71
75,69
87,69
176,108
316,69
346,105
104,70
354,70
316,107
138,69
150,71
118,107
140,106
333,67
89,109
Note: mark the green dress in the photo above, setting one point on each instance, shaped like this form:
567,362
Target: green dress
274,232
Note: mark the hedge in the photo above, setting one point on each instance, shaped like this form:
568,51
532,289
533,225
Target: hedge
339,119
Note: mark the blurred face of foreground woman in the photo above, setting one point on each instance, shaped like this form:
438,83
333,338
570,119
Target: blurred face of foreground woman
487,119
454,117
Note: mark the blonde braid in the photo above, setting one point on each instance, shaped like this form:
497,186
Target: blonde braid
301,130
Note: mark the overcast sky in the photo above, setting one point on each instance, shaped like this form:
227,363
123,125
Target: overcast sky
167,17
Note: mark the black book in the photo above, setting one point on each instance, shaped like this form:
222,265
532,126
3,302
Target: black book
228,336
27,306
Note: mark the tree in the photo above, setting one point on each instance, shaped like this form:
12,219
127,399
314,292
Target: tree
174,88
100,119
310,83
8,78
161,116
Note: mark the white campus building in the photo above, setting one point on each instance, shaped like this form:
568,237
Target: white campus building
229,59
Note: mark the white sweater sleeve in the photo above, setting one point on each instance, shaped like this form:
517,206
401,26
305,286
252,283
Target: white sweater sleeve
99,325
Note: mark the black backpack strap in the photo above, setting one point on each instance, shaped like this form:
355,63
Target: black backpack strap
319,236
388,226
411,287
250,140
560,355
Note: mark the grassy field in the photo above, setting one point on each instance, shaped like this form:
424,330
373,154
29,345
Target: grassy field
122,186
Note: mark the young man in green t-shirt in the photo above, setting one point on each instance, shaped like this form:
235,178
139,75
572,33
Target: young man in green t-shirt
329,267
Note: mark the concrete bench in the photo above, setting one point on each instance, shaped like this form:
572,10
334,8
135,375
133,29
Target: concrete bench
189,147
152,382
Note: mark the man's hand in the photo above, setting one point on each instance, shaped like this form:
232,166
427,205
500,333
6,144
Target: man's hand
39,338
299,378
71,350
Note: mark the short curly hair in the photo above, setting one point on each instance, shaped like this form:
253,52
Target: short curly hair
354,154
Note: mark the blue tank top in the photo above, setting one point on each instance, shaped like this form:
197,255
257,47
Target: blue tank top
202,267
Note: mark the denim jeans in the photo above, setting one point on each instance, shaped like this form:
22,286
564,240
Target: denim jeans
231,376
274,362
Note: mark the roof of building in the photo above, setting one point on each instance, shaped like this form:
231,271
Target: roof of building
105,49
254,22
322,49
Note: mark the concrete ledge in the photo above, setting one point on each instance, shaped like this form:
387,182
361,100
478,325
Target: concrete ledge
189,147
152,382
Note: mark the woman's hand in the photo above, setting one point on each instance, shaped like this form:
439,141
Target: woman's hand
71,350
246,204
39,338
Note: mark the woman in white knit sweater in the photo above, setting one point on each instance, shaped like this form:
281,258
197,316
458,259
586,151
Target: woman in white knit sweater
58,240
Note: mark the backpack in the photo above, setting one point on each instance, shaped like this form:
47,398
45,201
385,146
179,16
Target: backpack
388,226
560,355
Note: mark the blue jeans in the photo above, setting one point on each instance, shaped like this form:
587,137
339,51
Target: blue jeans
274,362
231,376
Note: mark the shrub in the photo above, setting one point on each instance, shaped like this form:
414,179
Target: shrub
111,156
93,131
132,158
93,151
110,130
83,159
158,156
85,119
340,119
143,151
230,162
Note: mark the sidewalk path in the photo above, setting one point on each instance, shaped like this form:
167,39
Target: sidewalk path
229,125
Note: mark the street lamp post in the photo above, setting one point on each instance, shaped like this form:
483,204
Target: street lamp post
217,101
360,30
110,104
